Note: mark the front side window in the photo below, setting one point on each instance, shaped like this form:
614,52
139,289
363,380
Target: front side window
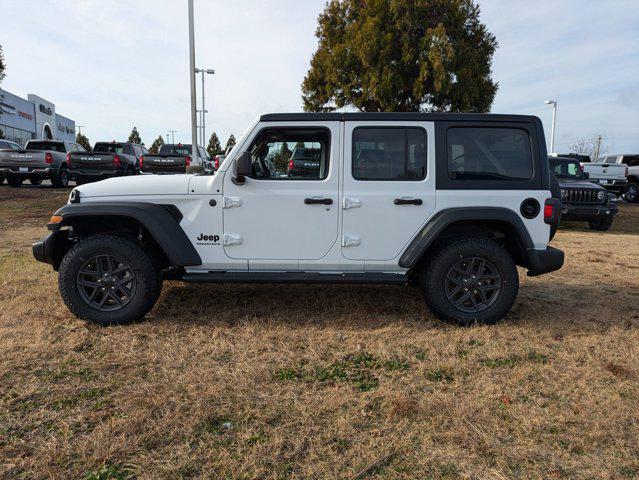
477,153
392,154
291,154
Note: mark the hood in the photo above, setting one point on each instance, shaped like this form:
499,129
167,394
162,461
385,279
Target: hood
137,185
578,183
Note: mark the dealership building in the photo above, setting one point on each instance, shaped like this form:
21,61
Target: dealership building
34,118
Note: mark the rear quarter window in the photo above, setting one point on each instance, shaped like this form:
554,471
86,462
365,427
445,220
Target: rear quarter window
489,153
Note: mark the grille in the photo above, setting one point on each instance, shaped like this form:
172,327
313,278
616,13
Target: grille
582,196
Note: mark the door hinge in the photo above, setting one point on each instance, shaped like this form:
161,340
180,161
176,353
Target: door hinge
232,239
350,241
232,202
349,202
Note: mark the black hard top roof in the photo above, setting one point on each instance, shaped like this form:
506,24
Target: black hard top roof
393,116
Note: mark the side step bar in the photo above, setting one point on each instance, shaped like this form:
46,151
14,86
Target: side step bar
297,277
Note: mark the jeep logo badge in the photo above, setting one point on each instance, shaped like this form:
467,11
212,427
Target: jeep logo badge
208,239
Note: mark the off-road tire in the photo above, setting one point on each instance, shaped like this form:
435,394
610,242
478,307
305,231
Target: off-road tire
14,180
60,179
435,277
601,225
1,178
631,193
147,275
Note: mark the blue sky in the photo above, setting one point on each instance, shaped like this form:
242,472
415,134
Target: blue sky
112,65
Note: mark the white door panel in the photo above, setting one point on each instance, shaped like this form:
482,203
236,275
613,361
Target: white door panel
274,219
383,216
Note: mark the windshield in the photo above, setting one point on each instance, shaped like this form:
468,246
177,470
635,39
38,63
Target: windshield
42,146
108,148
565,168
175,150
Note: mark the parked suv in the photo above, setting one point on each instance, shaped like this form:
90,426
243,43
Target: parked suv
38,160
451,202
582,200
108,159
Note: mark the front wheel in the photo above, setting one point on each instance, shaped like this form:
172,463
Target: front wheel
632,193
601,225
471,280
109,280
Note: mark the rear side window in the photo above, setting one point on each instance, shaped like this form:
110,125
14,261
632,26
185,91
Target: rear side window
53,146
109,148
389,154
477,153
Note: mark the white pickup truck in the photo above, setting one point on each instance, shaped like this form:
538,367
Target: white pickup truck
631,164
607,173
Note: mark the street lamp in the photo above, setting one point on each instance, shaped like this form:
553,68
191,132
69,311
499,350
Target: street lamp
209,71
194,152
554,119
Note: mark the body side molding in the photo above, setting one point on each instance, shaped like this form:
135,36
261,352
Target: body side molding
157,219
443,218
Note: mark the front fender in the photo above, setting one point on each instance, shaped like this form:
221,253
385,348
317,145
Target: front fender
161,221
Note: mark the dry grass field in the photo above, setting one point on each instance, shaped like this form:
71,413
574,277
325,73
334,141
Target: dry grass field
323,382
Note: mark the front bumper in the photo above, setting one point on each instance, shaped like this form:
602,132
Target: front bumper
51,248
27,171
586,213
544,261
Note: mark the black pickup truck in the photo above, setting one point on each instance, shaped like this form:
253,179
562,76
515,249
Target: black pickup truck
582,200
172,158
108,159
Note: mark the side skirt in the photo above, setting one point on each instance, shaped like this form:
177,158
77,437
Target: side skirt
297,277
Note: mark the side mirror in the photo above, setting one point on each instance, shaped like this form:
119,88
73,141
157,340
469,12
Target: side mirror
243,168
586,175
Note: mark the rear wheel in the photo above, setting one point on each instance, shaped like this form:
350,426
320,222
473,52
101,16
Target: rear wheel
61,180
632,192
1,178
601,225
14,180
109,280
471,280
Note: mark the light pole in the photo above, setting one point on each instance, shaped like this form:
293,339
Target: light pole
79,127
172,132
210,71
194,153
554,120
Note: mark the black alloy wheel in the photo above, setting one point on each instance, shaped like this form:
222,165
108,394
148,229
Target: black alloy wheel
106,282
473,285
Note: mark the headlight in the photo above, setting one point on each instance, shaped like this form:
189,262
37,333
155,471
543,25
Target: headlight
601,195
564,194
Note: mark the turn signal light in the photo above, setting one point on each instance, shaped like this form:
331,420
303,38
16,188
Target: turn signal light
117,163
290,165
48,158
141,161
188,160
56,219
69,159
216,162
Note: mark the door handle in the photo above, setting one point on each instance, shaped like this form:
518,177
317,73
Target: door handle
318,201
408,201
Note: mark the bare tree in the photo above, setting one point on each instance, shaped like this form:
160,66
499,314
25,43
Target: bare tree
594,146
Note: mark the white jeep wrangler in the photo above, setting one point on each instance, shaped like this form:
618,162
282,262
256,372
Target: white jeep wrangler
452,202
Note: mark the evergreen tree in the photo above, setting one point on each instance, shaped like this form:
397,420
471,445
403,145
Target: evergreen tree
2,65
83,140
214,148
134,137
400,55
282,157
230,143
156,145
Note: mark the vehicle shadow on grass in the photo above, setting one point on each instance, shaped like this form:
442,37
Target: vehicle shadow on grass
540,304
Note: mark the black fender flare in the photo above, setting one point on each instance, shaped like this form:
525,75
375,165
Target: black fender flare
161,221
429,233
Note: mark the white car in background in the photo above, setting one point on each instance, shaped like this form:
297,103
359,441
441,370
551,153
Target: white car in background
631,164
